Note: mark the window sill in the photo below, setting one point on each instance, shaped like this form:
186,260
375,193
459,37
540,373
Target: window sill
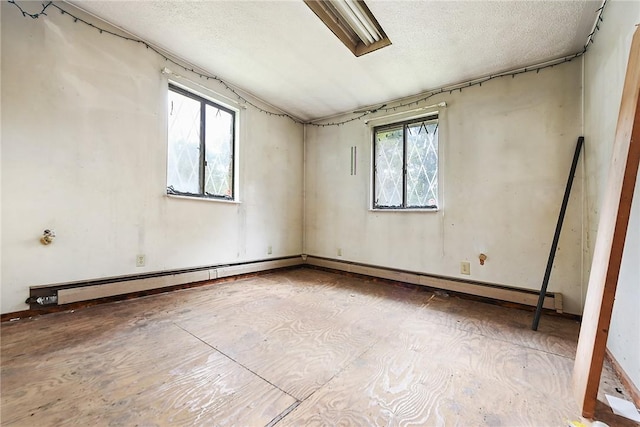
404,210
203,199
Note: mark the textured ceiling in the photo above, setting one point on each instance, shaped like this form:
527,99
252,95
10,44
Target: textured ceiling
280,51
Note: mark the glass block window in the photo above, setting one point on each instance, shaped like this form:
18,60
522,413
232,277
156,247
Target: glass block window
406,165
200,147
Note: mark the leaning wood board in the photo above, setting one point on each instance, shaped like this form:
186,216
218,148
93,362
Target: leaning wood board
612,230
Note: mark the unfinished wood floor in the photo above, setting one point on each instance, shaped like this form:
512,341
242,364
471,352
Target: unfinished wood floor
300,347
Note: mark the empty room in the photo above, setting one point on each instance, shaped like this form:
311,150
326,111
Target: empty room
310,212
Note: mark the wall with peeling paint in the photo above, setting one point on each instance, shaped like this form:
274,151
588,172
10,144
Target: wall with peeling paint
84,154
505,152
604,73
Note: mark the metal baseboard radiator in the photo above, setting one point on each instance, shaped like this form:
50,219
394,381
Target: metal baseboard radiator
552,301
66,293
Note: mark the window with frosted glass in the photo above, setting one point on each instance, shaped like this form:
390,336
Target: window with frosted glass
201,137
406,165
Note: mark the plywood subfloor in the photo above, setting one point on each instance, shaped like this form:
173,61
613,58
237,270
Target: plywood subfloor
302,347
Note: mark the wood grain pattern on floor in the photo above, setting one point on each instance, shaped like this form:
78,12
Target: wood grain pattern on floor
301,347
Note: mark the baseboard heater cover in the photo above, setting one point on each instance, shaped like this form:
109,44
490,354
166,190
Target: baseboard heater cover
84,293
124,285
90,290
552,301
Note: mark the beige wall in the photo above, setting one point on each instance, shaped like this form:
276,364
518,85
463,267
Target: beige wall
84,153
605,66
506,149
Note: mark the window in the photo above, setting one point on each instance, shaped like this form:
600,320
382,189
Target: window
406,165
200,159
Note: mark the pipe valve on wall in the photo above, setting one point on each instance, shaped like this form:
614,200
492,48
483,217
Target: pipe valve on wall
47,237
482,258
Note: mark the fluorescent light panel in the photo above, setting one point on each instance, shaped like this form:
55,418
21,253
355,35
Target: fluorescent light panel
352,22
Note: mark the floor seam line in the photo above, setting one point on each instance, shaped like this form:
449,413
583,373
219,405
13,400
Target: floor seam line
300,401
343,368
284,413
236,362
458,328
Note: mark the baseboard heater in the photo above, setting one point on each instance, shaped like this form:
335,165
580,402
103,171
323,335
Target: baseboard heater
552,301
66,293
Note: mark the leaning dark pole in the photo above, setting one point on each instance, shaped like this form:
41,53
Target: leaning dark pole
556,236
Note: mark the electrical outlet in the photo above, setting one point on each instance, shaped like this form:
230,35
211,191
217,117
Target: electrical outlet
140,260
465,268
339,251
269,250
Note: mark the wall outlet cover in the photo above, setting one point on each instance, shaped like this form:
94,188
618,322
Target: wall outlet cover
140,260
465,268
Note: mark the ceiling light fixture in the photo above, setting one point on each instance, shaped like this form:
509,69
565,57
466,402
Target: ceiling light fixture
352,22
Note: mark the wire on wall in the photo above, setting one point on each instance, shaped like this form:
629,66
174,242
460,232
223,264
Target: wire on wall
359,114
201,75
478,82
